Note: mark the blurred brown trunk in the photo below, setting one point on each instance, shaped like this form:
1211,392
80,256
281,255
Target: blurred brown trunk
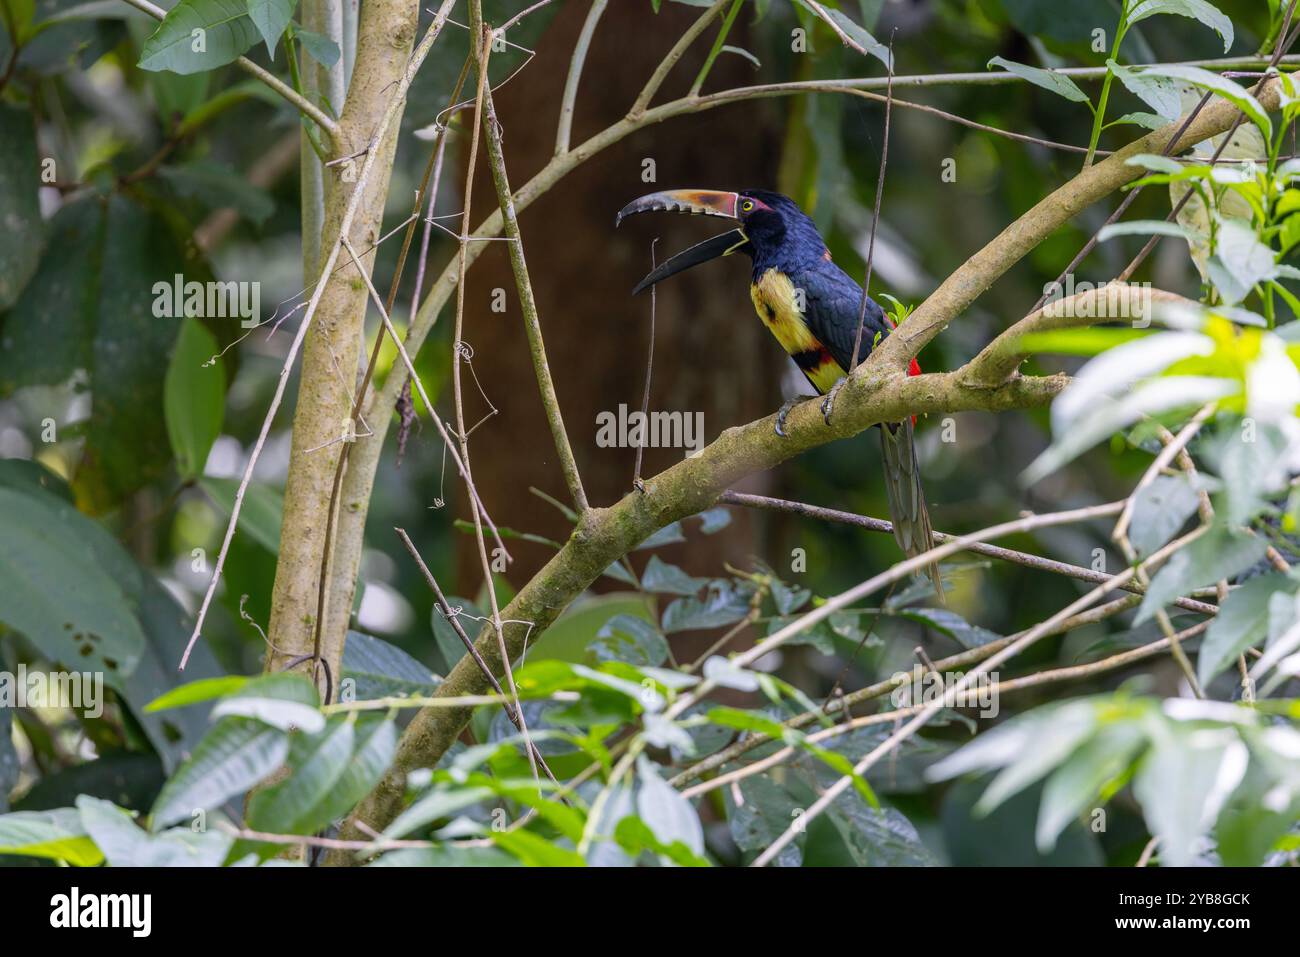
711,356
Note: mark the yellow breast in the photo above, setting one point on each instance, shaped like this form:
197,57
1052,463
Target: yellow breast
777,304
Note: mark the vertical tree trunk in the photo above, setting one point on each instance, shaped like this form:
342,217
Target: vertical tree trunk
330,352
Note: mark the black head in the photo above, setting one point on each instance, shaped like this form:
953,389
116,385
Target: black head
772,229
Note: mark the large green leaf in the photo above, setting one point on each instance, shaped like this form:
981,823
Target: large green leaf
261,513
236,754
125,844
54,835
379,669
23,231
167,627
665,811
376,744
60,593
200,35
294,805
126,439
1201,10
46,336
194,398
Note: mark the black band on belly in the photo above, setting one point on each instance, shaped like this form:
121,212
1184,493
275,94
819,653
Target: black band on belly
811,359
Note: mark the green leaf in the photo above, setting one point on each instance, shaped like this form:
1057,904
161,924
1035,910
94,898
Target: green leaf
766,814
1240,261
536,851
282,700
23,235
77,607
878,837
1183,783
1241,623
1159,511
860,36
261,513
217,186
1053,737
235,755
1218,554
1141,227
317,763
193,692
953,625
321,49
376,745
194,398
449,644
1205,80
53,835
631,639
199,35
661,577
125,844
1160,93
1207,13
1057,83
58,306
669,815
434,805
1076,784
1148,121
126,438
381,670
725,603
271,17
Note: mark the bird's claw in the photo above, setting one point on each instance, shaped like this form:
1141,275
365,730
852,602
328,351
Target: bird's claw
783,412
828,403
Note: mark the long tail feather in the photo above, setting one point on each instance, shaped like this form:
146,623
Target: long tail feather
907,508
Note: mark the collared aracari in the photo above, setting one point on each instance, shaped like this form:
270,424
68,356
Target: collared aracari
812,307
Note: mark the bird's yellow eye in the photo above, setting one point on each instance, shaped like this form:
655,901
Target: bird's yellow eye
746,206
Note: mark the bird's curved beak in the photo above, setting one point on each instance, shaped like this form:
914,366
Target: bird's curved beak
702,202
